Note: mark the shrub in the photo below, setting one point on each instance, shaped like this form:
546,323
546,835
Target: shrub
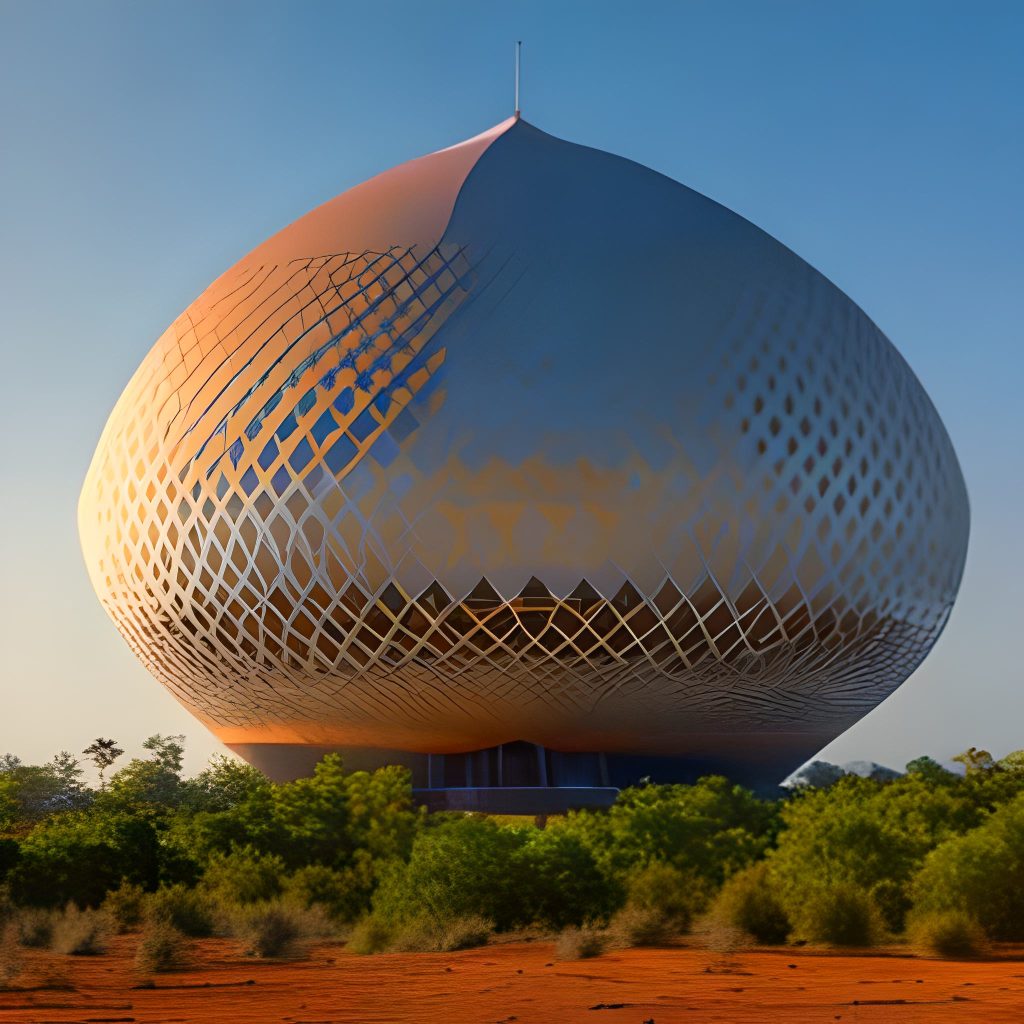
579,943
663,887
949,933
80,932
710,829
189,910
866,834
370,935
125,906
747,902
81,856
465,933
559,883
244,876
841,915
35,927
425,935
342,895
642,926
458,868
275,929
162,948
980,874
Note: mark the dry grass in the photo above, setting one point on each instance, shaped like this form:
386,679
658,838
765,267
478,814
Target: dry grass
163,949
428,936
81,932
642,926
35,927
278,929
580,943
369,936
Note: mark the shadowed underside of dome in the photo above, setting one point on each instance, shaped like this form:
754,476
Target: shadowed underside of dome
524,443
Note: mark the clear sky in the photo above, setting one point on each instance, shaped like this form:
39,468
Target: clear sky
145,147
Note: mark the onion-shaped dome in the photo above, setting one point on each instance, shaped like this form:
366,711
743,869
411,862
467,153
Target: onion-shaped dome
522,441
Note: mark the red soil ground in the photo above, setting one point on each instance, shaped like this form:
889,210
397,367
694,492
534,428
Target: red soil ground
522,983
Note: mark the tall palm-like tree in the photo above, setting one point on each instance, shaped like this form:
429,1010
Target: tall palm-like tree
103,753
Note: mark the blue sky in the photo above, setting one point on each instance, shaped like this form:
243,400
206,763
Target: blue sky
144,147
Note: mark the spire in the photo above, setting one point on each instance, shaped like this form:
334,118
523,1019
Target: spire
519,53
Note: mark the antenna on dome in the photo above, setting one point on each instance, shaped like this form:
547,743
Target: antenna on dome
519,53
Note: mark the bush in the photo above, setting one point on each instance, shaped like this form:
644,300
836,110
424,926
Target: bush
425,935
710,829
163,948
559,881
80,932
342,895
275,929
458,868
948,933
244,876
748,903
188,910
370,935
841,915
663,887
980,874
579,943
80,857
870,835
35,927
126,906
642,926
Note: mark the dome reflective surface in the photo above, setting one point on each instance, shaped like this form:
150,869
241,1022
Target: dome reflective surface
522,441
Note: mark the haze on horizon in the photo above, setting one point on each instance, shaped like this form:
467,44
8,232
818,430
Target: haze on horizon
146,148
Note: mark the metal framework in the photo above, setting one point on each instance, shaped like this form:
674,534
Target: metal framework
291,535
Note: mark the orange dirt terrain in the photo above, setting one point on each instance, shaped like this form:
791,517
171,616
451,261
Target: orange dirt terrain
518,982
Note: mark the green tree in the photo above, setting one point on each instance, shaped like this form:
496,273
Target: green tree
33,792
930,769
561,884
457,868
1013,762
244,876
103,753
225,783
869,835
333,819
976,761
980,873
709,829
153,782
8,803
81,856
167,751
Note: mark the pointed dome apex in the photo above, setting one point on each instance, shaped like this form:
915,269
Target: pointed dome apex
406,205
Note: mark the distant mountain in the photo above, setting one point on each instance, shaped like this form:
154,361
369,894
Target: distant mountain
822,774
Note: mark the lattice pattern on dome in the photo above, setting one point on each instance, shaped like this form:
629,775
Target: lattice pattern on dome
239,549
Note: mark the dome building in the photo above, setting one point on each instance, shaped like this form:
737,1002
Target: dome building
534,470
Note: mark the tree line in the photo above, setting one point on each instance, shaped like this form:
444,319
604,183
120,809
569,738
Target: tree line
933,856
